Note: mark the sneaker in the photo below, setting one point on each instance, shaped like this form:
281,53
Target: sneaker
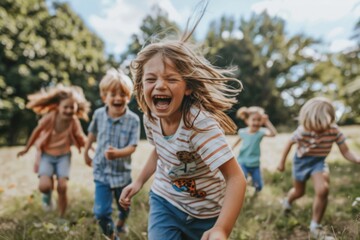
285,205
320,234
46,202
123,229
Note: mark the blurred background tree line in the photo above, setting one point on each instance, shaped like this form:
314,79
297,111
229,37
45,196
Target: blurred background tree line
42,45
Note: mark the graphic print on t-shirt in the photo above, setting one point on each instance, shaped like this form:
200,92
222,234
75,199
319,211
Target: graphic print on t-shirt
187,167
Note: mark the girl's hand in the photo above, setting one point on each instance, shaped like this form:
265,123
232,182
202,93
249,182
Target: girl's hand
281,167
110,153
214,233
21,153
88,160
36,166
127,193
264,118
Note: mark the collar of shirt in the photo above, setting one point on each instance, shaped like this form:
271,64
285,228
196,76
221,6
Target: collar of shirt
116,120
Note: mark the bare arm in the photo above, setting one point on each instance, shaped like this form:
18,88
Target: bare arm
79,133
113,153
34,135
348,155
147,171
281,166
233,201
271,130
90,140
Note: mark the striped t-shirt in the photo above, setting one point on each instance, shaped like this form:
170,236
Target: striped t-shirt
187,173
316,144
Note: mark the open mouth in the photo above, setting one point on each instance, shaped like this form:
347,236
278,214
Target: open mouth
161,101
117,105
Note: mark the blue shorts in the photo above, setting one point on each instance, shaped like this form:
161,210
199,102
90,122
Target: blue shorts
306,166
55,165
168,222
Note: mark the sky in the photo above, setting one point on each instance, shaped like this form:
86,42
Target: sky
115,21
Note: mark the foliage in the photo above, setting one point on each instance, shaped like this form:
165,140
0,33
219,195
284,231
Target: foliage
350,69
273,66
42,47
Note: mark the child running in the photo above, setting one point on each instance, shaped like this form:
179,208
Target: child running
249,155
116,130
199,188
314,137
56,131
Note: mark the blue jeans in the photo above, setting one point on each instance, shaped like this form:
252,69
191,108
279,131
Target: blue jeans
168,222
255,175
104,195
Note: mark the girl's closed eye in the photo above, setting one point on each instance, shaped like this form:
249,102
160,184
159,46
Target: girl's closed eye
150,80
173,80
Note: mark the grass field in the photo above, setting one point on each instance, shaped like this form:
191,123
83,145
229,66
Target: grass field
21,215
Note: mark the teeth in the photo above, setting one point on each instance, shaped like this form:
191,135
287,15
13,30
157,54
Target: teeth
161,97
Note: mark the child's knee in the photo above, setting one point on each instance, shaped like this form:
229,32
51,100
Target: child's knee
62,187
299,192
102,211
322,191
45,186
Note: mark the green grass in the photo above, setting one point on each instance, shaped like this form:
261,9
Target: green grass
261,216
21,215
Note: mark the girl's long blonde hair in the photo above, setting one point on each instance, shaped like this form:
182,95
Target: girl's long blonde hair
208,83
317,114
48,100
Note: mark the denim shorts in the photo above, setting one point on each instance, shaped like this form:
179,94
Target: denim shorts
306,166
55,165
168,222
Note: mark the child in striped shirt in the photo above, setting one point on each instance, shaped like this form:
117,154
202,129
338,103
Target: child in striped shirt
199,188
314,138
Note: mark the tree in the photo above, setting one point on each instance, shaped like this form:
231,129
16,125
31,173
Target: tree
41,47
350,68
272,66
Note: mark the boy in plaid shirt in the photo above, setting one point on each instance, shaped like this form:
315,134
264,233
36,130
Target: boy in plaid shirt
116,130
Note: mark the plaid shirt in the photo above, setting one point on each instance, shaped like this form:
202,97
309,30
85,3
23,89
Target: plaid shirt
118,133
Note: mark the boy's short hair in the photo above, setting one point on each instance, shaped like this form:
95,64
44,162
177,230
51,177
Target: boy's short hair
317,114
115,79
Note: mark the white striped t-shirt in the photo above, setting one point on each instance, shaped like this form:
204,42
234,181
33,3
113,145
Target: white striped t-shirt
187,173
